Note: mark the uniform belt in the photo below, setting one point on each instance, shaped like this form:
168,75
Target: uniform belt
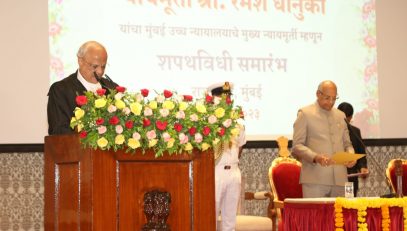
227,167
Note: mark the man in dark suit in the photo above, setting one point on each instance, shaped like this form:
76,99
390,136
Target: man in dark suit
357,143
92,59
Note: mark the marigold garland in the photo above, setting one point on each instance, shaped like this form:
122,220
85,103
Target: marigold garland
385,218
361,204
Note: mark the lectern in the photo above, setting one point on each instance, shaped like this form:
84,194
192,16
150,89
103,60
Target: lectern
87,189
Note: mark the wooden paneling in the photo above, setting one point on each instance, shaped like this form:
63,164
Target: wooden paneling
101,190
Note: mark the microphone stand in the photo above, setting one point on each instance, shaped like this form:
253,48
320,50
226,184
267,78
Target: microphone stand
374,160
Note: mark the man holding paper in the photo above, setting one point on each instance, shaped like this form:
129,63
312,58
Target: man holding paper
320,131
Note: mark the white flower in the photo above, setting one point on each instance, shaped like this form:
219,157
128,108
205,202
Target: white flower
166,136
194,117
136,136
118,96
111,108
227,123
102,129
148,111
212,119
126,111
151,134
119,129
180,115
160,98
164,112
183,139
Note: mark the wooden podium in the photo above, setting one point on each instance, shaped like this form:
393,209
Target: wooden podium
88,189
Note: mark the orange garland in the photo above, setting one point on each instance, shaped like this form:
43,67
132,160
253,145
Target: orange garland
361,204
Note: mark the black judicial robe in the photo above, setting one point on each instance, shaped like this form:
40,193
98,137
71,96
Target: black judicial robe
61,102
356,139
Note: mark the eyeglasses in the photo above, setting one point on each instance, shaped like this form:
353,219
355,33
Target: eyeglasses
94,66
327,97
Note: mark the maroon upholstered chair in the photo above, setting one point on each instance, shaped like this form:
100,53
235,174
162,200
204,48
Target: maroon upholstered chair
392,177
284,177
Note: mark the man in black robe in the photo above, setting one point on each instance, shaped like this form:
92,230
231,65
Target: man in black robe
92,59
358,145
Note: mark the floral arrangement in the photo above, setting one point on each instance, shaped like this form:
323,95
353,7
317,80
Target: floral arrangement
361,204
166,122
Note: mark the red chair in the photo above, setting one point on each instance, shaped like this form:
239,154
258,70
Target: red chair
391,174
284,177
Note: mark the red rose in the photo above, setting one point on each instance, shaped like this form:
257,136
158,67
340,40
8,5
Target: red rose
228,100
167,93
161,125
241,115
114,120
120,89
144,92
208,98
146,122
177,127
222,131
83,134
101,91
192,131
100,121
188,98
129,124
81,100
206,130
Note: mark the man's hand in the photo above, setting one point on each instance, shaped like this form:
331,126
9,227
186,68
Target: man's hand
323,160
364,172
350,164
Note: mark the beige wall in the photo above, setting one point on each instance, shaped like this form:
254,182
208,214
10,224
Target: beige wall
392,64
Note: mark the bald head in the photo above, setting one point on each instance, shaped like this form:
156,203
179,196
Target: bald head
92,59
327,84
89,47
326,94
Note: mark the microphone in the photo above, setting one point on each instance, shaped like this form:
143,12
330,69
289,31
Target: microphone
108,78
99,79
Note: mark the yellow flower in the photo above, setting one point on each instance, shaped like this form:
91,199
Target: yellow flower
136,108
79,113
205,146
80,126
152,142
200,108
170,143
168,105
102,142
119,139
219,112
153,104
215,141
99,103
188,146
120,104
235,131
234,115
133,143
183,106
